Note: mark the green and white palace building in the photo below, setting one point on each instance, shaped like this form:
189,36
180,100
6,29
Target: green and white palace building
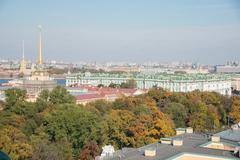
173,82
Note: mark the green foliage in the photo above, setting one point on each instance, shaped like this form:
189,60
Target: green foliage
55,128
43,100
14,97
100,86
101,107
177,113
204,111
60,95
113,85
29,127
77,125
46,150
131,83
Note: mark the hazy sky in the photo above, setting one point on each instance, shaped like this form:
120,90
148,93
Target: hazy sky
205,31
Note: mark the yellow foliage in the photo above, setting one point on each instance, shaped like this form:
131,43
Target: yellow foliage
235,109
13,142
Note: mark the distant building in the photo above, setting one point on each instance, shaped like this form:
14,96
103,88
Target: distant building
228,69
171,82
39,80
236,83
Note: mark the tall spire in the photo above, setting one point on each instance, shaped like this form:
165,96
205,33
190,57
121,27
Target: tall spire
40,45
23,54
23,62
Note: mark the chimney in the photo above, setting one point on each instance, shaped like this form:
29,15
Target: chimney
177,142
215,138
189,130
180,131
151,152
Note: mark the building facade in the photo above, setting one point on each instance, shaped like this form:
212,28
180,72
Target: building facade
171,82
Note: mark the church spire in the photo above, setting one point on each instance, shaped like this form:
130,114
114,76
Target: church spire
23,63
23,54
40,46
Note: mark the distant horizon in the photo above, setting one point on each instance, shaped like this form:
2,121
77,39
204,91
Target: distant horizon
205,32
117,62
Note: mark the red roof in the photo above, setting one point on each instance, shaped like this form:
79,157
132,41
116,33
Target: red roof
99,93
89,96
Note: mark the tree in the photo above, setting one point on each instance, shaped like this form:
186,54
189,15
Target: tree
113,85
136,121
43,100
198,122
205,121
89,151
75,124
14,97
131,83
159,95
9,118
177,113
14,143
29,127
101,106
162,125
235,109
100,85
21,75
213,123
118,123
60,95
46,150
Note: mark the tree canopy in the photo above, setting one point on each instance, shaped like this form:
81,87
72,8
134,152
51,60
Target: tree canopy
55,128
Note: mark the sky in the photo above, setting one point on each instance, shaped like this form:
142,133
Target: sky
204,31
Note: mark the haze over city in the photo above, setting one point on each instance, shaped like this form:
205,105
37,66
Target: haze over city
205,31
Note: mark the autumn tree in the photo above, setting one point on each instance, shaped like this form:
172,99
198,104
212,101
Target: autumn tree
14,143
89,151
235,109
177,113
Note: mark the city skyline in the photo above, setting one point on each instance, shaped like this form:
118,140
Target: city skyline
186,31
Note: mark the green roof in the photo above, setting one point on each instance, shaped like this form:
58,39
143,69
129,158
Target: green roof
165,139
180,129
159,76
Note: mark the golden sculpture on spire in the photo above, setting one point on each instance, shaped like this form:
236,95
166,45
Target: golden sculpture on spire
40,46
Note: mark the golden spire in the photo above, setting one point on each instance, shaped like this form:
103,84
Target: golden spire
23,57
40,45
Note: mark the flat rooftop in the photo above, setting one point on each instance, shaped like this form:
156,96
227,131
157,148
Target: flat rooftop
230,134
191,145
